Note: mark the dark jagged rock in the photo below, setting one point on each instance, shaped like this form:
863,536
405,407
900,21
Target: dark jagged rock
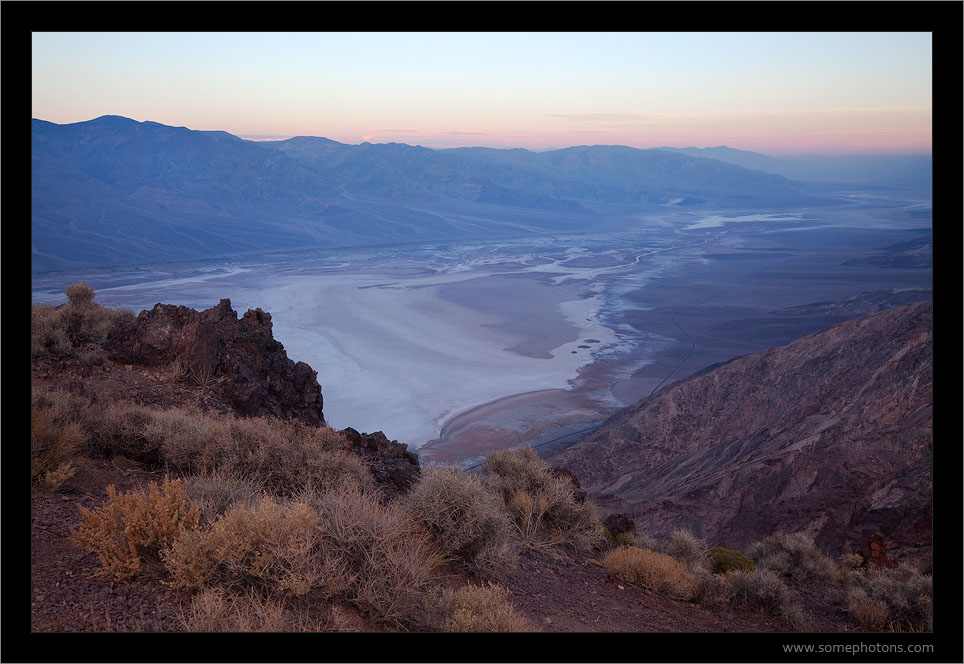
391,464
237,358
831,435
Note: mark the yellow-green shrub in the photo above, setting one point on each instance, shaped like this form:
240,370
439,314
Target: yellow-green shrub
131,529
724,560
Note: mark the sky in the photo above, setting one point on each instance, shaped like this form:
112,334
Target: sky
774,93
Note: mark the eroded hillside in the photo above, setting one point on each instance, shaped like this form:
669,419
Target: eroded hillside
831,435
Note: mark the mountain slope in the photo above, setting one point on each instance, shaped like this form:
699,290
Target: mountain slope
117,191
831,434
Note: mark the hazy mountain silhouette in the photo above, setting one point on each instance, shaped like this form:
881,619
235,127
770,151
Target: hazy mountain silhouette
113,191
912,171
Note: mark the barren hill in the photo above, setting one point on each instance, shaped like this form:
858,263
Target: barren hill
831,434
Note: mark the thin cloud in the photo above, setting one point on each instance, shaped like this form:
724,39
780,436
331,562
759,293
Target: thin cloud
637,117
406,129
265,137
461,133
596,117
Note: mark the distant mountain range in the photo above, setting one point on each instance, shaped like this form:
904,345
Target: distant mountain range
115,191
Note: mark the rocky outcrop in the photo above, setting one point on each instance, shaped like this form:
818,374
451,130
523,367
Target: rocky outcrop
237,358
830,435
391,464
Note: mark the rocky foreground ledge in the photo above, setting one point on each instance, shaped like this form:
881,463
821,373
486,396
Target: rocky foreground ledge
238,359
239,362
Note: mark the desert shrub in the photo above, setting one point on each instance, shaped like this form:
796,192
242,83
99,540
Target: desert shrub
54,442
851,561
625,539
390,558
217,491
131,529
282,457
903,593
710,589
648,569
48,333
79,294
621,539
478,609
792,555
188,441
761,590
58,437
54,479
122,428
277,550
463,517
724,560
871,613
73,329
543,507
215,610
686,548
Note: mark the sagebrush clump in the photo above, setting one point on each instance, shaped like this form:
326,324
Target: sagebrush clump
478,609
282,457
543,507
392,560
54,443
896,599
75,329
686,548
464,518
794,556
215,610
764,591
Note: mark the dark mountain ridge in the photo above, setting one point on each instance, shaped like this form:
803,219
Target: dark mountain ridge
830,434
116,191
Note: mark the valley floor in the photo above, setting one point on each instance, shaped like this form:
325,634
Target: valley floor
459,349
